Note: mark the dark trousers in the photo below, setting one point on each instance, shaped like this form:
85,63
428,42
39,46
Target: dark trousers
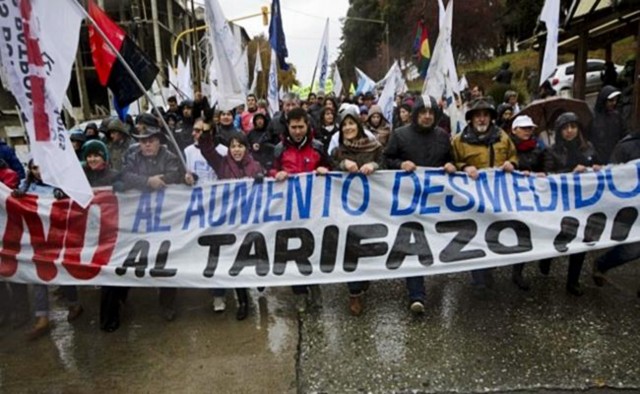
14,300
167,297
617,256
110,299
575,267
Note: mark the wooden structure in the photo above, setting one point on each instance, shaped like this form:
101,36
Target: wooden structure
597,24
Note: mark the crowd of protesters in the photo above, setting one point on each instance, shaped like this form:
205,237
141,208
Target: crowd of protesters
322,134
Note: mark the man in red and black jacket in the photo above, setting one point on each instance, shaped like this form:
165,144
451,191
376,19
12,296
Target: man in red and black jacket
297,153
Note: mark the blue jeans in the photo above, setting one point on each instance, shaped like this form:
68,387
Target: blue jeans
617,256
415,285
41,298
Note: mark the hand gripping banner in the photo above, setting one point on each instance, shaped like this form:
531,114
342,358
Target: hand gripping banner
316,229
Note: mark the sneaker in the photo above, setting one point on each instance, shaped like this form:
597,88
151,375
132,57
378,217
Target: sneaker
301,303
417,307
74,312
355,305
219,304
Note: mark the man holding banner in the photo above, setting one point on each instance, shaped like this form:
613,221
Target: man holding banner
421,143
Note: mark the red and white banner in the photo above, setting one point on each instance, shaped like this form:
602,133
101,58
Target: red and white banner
40,38
316,229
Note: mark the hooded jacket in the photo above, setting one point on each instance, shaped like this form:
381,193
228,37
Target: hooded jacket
627,149
383,130
260,137
427,147
565,155
607,127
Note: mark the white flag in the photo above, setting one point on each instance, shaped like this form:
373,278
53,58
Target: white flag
394,82
40,43
337,82
441,14
173,79
550,15
323,58
241,64
225,52
365,83
442,69
272,93
257,68
185,89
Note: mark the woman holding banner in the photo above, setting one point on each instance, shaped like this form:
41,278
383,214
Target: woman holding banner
571,153
356,153
236,165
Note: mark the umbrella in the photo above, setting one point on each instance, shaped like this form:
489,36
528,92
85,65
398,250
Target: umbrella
545,112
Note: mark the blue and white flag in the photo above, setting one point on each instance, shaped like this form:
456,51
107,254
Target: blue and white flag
323,58
272,93
365,83
276,36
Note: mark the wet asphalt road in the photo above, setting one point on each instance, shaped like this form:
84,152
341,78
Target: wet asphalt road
502,340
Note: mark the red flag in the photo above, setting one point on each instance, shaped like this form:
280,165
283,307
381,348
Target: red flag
110,71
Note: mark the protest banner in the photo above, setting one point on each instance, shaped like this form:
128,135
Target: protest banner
317,229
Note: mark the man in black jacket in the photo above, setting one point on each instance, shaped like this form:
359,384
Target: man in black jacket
626,150
420,143
150,166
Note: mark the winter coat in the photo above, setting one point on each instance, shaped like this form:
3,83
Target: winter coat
492,151
183,132
225,166
106,177
607,127
565,155
277,128
140,168
264,153
627,149
427,147
8,154
294,159
383,130
530,154
504,75
224,133
118,152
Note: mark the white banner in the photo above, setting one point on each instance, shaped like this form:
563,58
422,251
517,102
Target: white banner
317,229
38,49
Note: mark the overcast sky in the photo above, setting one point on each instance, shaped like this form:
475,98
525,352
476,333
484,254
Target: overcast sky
303,22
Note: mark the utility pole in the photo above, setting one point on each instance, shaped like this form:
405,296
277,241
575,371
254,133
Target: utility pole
196,55
156,33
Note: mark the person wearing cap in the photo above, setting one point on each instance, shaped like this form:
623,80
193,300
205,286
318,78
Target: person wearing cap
421,143
95,163
91,132
119,142
607,126
479,146
356,153
150,166
571,153
299,152
530,153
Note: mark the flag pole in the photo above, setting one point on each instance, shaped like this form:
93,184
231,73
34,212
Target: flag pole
135,78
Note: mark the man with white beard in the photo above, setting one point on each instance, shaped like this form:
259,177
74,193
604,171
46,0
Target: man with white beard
482,145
